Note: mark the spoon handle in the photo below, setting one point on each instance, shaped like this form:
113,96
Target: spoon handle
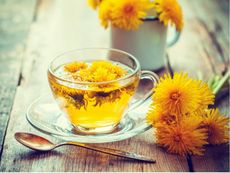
111,151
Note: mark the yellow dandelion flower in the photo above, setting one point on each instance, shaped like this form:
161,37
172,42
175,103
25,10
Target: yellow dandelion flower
104,12
103,64
103,74
105,71
82,75
182,138
75,66
206,95
127,14
169,12
178,95
98,71
193,117
120,72
157,115
94,3
217,126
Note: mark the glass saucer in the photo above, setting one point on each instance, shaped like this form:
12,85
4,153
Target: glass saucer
44,115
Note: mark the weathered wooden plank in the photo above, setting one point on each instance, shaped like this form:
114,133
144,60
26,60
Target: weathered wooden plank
216,158
44,42
214,19
15,18
203,46
187,55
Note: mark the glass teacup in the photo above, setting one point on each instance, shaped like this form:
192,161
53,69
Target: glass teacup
97,107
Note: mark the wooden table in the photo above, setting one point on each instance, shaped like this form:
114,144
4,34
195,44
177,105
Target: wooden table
33,32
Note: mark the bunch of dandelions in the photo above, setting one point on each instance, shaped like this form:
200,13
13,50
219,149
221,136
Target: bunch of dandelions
179,112
128,14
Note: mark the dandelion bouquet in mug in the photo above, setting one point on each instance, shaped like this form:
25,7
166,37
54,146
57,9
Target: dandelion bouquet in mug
128,14
140,27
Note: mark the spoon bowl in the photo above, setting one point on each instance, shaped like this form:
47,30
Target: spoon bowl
34,142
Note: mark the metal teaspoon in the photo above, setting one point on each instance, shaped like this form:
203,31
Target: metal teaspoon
39,143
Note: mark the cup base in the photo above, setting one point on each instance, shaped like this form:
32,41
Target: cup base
94,131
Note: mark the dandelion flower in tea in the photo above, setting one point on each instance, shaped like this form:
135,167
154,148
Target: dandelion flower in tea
101,103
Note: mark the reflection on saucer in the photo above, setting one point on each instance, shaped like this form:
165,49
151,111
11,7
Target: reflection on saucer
44,115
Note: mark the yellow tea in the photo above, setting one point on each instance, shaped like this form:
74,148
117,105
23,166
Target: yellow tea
95,98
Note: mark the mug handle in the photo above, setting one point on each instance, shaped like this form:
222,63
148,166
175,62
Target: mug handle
174,39
145,75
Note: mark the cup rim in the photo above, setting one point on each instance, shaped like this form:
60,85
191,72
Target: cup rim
50,71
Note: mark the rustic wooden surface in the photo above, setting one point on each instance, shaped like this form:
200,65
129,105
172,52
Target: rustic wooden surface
14,27
32,33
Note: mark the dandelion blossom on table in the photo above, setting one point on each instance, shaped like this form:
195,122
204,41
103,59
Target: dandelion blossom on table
177,94
217,126
169,12
206,95
127,14
182,138
157,115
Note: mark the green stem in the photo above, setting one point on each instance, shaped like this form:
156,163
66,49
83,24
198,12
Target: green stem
221,83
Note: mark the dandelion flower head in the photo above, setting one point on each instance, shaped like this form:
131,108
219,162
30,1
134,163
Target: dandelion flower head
94,3
177,94
127,14
217,126
176,138
169,12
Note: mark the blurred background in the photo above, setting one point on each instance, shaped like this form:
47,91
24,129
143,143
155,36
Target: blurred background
45,28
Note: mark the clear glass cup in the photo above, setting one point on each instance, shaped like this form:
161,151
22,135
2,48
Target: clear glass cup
97,107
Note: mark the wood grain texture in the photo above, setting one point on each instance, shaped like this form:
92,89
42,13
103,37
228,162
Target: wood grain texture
214,32
203,47
45,40
215,158
15,19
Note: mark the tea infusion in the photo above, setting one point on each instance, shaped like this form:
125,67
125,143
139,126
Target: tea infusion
96,104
